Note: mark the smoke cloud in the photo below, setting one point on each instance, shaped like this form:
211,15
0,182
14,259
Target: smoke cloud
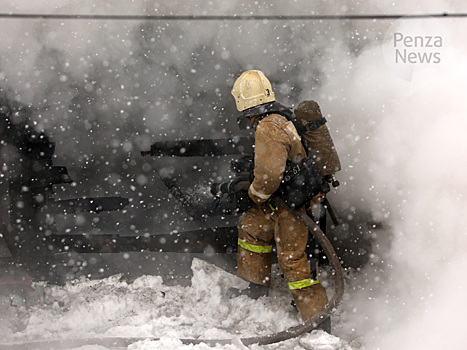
404,135
105,90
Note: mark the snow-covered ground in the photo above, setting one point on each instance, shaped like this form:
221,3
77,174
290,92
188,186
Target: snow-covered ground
149,308
107,90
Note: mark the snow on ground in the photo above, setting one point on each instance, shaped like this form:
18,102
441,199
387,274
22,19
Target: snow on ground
149,308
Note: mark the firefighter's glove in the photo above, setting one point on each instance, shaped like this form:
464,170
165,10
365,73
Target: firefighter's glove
238,184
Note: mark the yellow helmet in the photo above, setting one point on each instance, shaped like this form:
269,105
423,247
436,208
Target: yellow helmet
251,89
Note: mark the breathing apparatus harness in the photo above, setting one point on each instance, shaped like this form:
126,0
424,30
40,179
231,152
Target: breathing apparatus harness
302,181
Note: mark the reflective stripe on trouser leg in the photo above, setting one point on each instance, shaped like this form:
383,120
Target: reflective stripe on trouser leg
255,231
254,267
302,284
255,248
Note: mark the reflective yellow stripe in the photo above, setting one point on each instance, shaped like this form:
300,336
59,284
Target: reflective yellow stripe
258,194
273,205
255,248
302,284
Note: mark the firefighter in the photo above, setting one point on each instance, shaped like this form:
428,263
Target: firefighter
276,141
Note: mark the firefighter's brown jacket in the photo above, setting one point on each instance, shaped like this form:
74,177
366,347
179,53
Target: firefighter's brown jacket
276,140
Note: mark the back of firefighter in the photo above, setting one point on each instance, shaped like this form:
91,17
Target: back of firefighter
276,142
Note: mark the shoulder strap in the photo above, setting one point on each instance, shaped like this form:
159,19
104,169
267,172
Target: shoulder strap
315,124
278,108
268,108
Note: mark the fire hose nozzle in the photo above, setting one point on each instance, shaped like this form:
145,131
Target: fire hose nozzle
240,183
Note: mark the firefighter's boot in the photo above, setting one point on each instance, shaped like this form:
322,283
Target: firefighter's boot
310,300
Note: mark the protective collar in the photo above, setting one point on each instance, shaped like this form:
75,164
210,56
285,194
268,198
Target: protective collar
268,108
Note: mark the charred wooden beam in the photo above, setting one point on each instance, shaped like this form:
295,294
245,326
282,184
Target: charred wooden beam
91,204
200,148
210,240
49,176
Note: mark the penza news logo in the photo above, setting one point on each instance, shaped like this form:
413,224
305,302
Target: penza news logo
411,46
417,48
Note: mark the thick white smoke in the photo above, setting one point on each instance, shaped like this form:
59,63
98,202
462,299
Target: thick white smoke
407,143
106,90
